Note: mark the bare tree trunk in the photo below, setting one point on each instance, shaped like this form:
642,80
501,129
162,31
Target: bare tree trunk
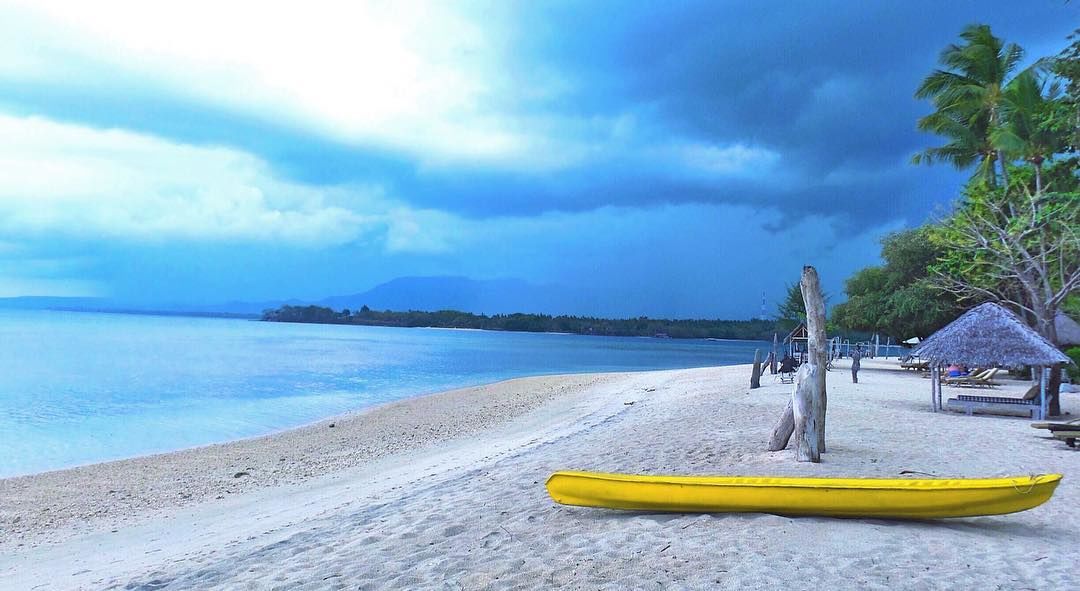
755,377
807,427
817,343
804,416
1053,391
781,433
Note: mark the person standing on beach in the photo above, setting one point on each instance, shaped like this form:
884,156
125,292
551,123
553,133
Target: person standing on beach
856,355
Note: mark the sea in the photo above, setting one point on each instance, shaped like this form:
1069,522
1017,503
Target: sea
79,388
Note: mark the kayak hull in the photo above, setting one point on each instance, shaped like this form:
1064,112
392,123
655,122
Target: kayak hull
833,497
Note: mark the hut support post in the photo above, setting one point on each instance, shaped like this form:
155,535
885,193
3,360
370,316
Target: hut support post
933,388
1042,394
940,406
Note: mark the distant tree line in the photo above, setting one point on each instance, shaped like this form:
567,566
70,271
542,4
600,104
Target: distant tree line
627,327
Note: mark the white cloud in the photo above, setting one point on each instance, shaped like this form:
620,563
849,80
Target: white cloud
66,180
76,181
435,81
731,160
410,76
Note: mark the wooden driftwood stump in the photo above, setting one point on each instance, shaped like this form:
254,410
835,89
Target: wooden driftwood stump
755,377
781,433
804,416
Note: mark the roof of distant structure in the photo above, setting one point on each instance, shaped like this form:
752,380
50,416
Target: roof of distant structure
799,333
1068,331
989,335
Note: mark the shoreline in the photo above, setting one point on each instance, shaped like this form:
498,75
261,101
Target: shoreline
467,504
340,417
33,505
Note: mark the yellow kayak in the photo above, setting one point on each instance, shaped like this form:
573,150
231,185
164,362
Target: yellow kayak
836,497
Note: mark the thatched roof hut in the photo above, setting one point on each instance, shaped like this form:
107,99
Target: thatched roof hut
1068,331
988,335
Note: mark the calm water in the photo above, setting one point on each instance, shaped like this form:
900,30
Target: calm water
77,388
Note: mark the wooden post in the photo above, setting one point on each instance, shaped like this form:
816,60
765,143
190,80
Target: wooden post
1042,394
933,387
817,343
755,377
772,362
808,401
940,406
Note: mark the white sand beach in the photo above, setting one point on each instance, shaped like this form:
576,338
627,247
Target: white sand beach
446,492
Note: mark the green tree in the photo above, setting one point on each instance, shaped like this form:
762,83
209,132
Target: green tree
967,96
1066,66
898,298
793,309
1017,247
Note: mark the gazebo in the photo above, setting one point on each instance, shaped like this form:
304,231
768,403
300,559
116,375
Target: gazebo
988,335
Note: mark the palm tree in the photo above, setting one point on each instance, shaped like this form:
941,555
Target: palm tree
968,94
969,144
1028,132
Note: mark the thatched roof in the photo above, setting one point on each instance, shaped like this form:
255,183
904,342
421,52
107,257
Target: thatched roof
989,336
1068,331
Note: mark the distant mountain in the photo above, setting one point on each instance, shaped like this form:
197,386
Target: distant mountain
491,296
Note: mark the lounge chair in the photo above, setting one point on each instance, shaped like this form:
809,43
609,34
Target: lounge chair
1067,432
1073,425
983,379
1029,403
1069,437
916,365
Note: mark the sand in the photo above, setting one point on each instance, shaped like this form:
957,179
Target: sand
446,492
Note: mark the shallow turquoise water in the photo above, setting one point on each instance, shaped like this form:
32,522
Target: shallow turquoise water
77,388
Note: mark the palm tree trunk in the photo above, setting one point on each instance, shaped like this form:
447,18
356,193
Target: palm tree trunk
1038,178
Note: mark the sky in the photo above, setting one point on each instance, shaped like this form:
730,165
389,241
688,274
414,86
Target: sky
677,159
